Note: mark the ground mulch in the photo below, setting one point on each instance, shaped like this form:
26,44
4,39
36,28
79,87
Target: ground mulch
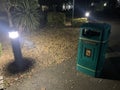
44,47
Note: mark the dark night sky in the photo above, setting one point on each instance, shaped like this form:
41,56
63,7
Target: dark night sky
81,6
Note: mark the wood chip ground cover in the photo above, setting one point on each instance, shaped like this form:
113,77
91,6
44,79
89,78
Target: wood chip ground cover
48,46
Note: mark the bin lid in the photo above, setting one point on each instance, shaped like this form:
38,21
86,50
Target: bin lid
97,26
103,28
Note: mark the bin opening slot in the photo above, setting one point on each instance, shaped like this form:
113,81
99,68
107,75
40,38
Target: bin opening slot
89,32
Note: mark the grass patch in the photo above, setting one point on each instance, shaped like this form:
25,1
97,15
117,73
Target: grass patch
78,21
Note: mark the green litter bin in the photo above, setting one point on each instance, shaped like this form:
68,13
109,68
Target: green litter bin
93,42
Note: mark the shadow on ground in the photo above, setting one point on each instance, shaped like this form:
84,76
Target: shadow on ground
13,68
111,68
114,48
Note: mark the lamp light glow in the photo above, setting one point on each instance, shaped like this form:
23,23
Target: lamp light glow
64,8
87,14
13,34
105,4
92,4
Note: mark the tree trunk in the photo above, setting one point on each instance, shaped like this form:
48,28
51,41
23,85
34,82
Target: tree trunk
10,19
7,9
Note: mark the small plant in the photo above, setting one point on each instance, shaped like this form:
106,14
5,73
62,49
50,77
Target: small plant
22,14
56,18
25,15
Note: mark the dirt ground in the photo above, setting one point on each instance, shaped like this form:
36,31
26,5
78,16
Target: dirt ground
45,47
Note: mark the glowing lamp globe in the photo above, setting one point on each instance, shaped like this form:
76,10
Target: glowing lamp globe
105,4
13,34
87,14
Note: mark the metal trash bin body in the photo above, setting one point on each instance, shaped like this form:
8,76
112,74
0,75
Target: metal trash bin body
93,42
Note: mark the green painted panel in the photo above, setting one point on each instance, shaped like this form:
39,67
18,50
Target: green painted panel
93,42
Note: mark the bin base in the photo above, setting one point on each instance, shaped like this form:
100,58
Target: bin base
88,71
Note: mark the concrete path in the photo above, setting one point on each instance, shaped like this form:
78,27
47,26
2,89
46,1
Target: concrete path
65,77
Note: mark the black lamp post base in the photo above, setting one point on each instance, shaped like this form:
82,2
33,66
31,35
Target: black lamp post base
14,67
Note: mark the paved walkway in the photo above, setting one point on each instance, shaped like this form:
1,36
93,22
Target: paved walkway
65,77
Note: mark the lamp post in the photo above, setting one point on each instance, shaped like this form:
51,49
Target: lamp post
14,36
73,9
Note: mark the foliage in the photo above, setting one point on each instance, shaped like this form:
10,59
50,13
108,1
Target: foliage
25,15
100,6
22,14
55,18
78,21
